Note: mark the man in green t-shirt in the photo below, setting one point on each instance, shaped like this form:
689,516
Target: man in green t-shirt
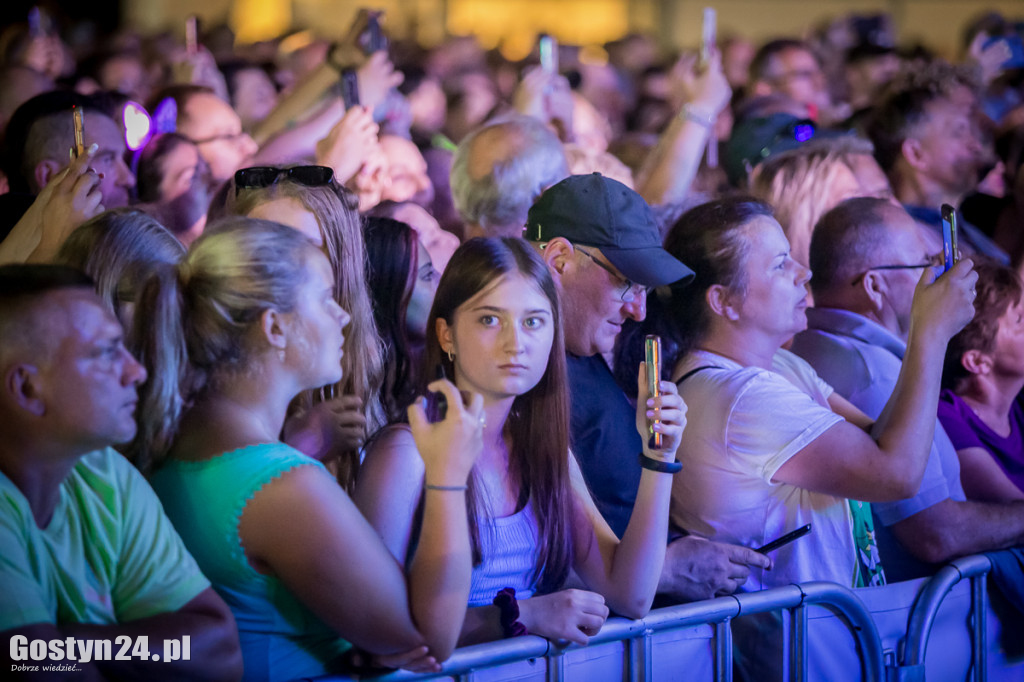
93,577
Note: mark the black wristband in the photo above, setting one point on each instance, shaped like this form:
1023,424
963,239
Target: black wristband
660,466
508,616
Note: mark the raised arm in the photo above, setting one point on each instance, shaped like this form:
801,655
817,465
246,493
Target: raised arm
669,171
844,460
627,572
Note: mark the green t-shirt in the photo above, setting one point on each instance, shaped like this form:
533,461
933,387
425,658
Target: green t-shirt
108,555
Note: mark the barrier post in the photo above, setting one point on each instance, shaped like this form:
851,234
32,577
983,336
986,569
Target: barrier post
798,662
723,651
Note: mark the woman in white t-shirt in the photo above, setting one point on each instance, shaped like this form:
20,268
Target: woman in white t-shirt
769,446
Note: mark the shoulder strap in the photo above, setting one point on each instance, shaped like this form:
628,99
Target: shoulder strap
680,380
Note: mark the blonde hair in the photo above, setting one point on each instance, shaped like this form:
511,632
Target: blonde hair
801,187
193,319
363,361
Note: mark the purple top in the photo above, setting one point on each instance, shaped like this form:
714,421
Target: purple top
966,430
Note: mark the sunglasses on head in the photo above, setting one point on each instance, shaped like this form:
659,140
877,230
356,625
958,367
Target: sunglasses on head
265,176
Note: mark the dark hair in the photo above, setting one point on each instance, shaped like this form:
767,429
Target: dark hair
150,172
393,258
538,423
23,148
712,240
764,59
998,287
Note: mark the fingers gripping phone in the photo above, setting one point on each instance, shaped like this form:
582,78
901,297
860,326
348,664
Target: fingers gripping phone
950,248
79,148
652,359
784,540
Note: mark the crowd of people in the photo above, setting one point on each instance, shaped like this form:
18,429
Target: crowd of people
337,386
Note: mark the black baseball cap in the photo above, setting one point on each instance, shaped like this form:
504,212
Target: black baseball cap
592,210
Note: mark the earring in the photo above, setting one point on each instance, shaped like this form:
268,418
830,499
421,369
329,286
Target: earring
280,354
451,355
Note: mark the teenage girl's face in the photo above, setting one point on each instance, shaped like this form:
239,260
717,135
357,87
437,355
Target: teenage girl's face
318,323
501,338
424,287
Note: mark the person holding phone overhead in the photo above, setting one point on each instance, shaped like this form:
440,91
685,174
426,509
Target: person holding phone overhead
496,329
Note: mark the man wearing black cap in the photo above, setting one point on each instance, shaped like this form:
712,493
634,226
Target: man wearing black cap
601,243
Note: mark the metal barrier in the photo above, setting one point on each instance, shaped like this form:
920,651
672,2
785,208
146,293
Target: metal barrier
718,612
926,609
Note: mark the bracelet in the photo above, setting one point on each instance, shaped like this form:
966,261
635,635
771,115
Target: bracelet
661,466
508,616
698,117
446,487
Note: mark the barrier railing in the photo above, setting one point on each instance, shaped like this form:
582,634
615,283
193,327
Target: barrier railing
717,612
926,609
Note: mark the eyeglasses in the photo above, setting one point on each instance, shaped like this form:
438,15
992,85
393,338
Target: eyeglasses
630,291
265,176
933,262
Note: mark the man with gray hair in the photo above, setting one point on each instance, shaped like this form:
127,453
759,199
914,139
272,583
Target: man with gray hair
499,170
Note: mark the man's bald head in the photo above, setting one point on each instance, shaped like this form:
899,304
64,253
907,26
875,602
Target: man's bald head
499,170
851,238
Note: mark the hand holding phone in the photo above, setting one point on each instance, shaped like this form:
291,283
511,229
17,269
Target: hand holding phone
784,540
652,359
950,248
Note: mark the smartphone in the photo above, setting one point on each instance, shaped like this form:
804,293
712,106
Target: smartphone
709,35
191,35
785,539
373,37
349,88
548,48
950,250
652,358
79,148
437,404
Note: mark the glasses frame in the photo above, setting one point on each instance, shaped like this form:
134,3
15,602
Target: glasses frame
630,285
930,264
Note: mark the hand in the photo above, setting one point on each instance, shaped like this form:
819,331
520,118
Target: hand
68,200
545,96
707,91
349,144
376,77
670,411
943,305
696,568
331,426
198,68
989,59
450,447
416,660
569,615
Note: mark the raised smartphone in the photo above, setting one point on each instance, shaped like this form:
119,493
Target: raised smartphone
785,539
437,404
349,88
373,39
709,35
950,250
191,35
652,358
548,48
79,148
